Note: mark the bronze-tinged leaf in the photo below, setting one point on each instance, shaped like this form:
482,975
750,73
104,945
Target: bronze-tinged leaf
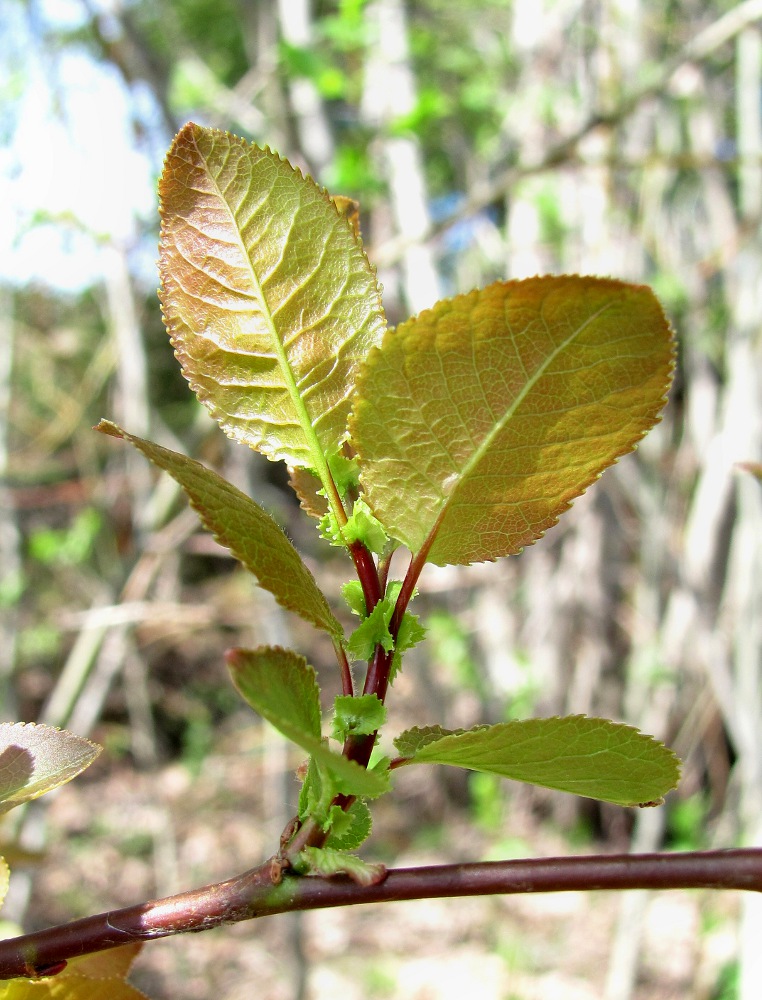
35,759
269,299
478,422
350,209
306,485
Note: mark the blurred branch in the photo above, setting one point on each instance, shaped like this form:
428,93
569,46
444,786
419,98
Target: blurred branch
560,152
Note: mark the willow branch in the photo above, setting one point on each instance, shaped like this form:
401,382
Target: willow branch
254,894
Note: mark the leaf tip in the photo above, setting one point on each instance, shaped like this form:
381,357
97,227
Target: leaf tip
110,428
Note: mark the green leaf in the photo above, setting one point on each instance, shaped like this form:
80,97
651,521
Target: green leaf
477,422
269,299
244,528
351,828
412,740
282,688
364,527
35,759
591,757
327,861
360,715
373,631
353,594
316,794
410,633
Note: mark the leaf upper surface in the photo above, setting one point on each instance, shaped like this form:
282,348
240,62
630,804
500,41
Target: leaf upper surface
242,526
269,299
479,421
282,687
35,759
592,757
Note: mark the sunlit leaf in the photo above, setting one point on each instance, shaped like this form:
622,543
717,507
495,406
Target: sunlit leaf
480,420
114,963
592,757
73,987
35,759
269,299
243,527
282,687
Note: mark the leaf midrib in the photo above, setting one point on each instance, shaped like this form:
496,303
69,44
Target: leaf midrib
320,463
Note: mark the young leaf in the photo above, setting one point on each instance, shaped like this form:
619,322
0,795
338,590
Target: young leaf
351,828
360,715
372,632
269,299
477,422
35,759
411,632
327,861
591,757
282,688
412,740
244,528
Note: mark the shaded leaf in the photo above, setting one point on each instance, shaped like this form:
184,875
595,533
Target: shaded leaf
35,759
592,757
414,739
477,422
269,299
243,527
307,487
282,688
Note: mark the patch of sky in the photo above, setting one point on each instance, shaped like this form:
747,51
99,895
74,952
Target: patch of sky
72,174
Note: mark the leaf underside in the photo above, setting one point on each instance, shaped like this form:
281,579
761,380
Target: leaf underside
35,759
595,758
477,422
99,976
282,687
268,297
243,527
